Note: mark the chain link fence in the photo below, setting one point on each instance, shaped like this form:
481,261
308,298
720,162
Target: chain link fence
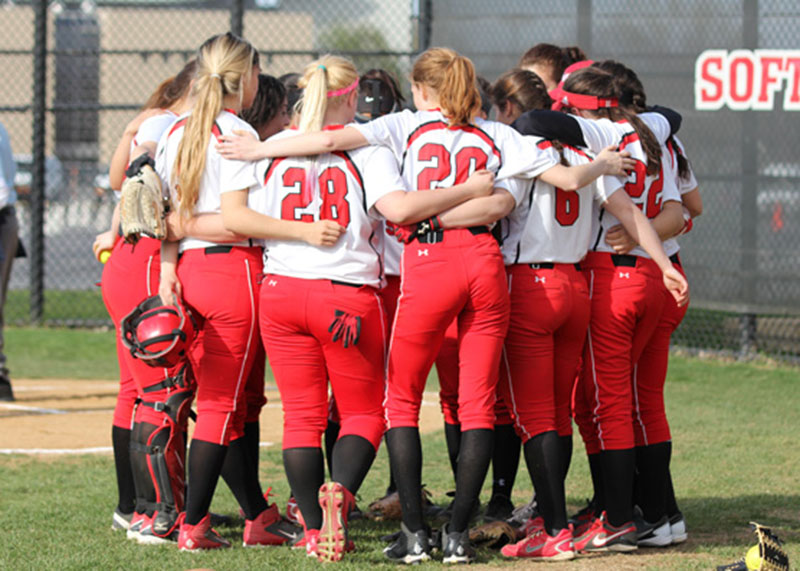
102,59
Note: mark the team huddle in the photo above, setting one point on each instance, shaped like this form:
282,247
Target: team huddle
531,258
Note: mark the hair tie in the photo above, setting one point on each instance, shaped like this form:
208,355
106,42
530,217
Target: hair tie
322,67
344,90
218,76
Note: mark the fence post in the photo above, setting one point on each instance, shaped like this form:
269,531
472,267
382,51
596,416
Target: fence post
424,24
748,220
38,143
585,25
237,17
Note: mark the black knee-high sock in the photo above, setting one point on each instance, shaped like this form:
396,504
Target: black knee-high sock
237,471
126,488
565,442
353,456
618,467
652,469
331,434
252,436
452,436
473,463
672,502
543,457
143,481
505,459
405,453
205,465
305,470
596,470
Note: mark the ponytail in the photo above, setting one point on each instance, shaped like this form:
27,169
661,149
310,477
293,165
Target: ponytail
452,77
325,82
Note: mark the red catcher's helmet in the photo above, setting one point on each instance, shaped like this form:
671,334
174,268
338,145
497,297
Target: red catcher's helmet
158,334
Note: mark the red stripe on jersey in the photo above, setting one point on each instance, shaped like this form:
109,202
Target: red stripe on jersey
628,139
438,125
544,145
351,167
215,129
274,163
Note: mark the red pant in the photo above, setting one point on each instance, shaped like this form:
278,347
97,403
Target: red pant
626,305
295,317
221,291
549,317
650,417
462,277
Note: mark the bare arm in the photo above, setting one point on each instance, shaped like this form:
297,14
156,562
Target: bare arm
238,217
245,148
693,202
483,210
169,284
401,207
209,227
106,240
607,162
637,225
668,223
122,154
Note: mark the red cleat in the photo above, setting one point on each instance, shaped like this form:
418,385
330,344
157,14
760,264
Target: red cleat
336,502
269,528
540,545
200,536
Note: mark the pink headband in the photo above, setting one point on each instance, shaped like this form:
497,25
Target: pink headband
344,90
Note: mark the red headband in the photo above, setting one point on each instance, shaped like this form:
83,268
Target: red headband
589,102
344,90
557,93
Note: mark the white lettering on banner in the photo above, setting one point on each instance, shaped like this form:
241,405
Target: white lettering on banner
747,79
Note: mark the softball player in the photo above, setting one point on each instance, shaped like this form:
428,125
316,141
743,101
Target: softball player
549,62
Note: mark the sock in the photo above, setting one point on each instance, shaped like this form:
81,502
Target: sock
618,467
237,471
652,468
672,502
126,489
205,465
473,463
543,457
331,434
596,470
405,453
252,435
565,442
353,456
505,459
452,435
305,470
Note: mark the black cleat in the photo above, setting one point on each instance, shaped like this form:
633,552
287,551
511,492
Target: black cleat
410,547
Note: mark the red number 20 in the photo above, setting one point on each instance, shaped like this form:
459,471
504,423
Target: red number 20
333,188
467,161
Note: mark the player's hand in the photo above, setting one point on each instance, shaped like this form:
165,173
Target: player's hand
619,239
169,288
102,242
241,146
480,183
175,228
346,327
677,285
615,162
322,232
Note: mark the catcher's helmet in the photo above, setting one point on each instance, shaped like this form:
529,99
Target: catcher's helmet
158,334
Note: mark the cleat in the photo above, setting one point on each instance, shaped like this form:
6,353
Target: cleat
531,526
147,535
584,517
200,536
336,502
293,511
137,520
653,534
221,520
456,547
121,521
521,515
499,508
544,547
410,547
602,536
677,528
270,528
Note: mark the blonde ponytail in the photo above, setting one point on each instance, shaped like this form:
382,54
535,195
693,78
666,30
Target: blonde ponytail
326,82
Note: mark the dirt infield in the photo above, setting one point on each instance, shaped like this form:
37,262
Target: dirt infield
64,416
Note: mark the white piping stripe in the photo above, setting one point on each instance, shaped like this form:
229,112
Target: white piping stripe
391,342
504,356
595,417
147,276
636,402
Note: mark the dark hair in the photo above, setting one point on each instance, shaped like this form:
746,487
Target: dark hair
523,88
269,98
573,54
600,83
378,94
293,91
549,54
172,89
485,89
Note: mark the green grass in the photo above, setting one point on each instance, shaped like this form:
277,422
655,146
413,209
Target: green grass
62,307
735,460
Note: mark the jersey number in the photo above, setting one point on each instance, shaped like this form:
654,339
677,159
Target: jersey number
567,207
467,161
333,188
636,185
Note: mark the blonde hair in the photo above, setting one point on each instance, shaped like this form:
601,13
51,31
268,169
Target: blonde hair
325,83
224,65
452,77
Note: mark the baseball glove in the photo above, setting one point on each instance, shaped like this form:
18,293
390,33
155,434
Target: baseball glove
142,206
771,555
385,509
494,534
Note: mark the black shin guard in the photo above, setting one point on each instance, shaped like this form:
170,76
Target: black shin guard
126,487
305,471
145,488
543,457
405,452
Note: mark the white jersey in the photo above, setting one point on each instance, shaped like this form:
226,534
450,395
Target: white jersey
150,131
433,155
392,254
220,175
684,185
648,192
341,186
550,224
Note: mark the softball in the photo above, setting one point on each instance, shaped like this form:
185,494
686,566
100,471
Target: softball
753,558
104,256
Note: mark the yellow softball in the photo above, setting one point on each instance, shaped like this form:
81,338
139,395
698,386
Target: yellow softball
753,558
104,256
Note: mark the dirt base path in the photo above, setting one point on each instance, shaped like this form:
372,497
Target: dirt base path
64,416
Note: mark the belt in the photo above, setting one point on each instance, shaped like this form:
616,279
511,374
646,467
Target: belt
348,284
218,249
438,236
625,260
675,259
550,266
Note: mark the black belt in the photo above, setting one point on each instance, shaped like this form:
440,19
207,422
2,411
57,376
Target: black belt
438,236
348,284
550,266
218,249
675,259
624,260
